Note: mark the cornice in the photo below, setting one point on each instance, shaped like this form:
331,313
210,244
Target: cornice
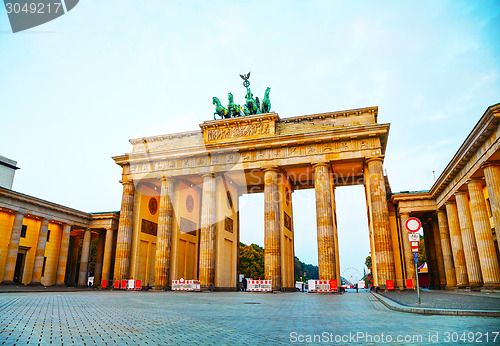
42,203
324,136
479,134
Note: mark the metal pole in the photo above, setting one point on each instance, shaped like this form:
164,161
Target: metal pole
418,286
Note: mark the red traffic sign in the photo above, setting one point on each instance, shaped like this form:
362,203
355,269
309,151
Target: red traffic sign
413,224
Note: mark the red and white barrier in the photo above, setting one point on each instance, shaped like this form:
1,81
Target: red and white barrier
259,286
185,285
323,286
128,285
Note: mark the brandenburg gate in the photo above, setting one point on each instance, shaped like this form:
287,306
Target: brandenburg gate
180,214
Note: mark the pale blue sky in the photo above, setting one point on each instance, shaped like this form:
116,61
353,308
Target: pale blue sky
73,91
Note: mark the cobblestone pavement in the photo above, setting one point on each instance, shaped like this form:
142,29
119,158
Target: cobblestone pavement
447,299
151,318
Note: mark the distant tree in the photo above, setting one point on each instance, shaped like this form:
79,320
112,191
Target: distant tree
252,261
368,262
305,271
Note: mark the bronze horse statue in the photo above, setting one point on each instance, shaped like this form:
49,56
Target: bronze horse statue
250,105
266,102
219,109
234,109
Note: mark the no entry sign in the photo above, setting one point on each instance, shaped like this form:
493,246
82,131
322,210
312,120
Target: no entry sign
413,224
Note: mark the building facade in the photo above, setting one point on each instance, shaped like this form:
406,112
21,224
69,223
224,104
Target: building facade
179,215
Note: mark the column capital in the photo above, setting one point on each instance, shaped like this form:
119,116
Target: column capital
474,181
165,178
441,211
126,182
270,169
490,164
374,158
404,214
460,193
321,164
207,175
450,202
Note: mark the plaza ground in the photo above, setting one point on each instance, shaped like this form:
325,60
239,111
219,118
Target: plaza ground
150,318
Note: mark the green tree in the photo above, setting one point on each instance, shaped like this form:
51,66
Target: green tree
252,261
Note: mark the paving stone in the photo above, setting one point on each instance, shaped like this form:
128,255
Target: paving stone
139,318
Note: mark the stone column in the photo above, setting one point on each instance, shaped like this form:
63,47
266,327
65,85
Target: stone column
408,255
36,278
106,260
99,260
324,222
457,247
492,178
163,241
63,256
13,249
125,230
484,237
272,248
380,219
439,254
207,233
84,259
469,240
449,270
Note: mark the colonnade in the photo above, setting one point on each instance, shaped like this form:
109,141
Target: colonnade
273,214
461,243
67,257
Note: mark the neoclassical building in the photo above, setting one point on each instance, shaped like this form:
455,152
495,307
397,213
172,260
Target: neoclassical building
461,213
40,242
179,215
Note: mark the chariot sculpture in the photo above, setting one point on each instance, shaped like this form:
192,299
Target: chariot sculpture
252,105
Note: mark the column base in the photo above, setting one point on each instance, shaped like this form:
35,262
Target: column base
35,284
11,283
495,286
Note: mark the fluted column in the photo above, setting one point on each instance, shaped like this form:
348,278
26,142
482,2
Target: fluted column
408,255
492,178
208,232
381,226
272,252
163,240
125,230
106,260
469,240
457,247
99,260
449,270
63,255
13,249
324,222
36,278
439,253
484,238
84,259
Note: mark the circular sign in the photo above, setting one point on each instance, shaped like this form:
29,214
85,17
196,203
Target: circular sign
153,205
413,224
181,280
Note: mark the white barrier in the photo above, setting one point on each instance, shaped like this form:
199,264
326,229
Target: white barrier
259,286
322,286
185,285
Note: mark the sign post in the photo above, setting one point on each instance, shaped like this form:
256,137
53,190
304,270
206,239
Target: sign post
412,225
415,259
